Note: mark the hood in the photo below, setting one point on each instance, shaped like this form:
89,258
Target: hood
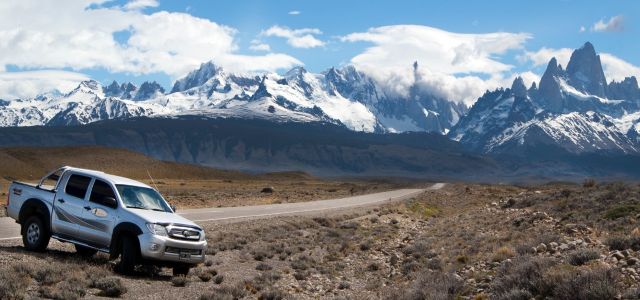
152,216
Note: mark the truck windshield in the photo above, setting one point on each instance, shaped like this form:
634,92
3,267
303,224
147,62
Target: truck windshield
142,198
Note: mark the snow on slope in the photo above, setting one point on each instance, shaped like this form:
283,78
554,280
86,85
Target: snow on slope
341,96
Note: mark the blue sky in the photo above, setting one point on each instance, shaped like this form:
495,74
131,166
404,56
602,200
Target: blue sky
554,25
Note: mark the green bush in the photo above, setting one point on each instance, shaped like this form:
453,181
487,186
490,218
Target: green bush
582,256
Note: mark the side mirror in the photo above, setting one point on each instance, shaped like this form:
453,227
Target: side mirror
110,202
174,208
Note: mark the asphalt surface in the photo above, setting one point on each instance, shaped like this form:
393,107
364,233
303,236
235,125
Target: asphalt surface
9,230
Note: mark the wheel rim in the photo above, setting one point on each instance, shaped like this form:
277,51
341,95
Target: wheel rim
33,233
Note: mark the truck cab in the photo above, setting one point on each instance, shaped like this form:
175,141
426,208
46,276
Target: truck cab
96,211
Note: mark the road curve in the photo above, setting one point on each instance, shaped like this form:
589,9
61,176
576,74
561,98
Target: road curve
9,230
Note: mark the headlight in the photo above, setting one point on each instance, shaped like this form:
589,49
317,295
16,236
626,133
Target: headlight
157,229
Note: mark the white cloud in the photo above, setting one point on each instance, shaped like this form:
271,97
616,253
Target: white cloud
544,55
140,4
298,38
31,83
79,35
450,62
582,29
257,45
616,23
614,67
294,12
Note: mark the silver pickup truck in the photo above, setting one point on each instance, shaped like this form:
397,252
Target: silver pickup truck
96,211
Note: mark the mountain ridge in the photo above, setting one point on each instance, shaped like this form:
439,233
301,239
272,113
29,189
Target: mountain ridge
343,96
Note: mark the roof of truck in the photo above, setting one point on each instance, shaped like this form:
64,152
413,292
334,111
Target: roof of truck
108,177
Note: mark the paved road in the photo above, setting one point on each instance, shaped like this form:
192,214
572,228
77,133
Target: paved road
9,230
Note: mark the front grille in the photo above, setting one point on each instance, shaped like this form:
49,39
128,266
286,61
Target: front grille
176,250
184,234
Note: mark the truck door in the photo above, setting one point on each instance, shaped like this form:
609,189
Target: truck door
69,206
100,217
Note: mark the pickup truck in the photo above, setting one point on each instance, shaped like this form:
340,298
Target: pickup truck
96,211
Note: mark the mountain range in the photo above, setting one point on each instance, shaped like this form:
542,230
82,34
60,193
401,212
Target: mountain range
573,110
345,96
342,121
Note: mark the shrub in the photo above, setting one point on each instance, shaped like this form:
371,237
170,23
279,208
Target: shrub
516,294
12,286
68,289
523,273
366,245
594,284
431,285
110,286
463,259
435,264
299,265
300,275
225,293
263,267
273,295
264,280
373,267
179,281
589,183
218,279
204,275
622,210
503,253
623,242
582,256
208,263
325,222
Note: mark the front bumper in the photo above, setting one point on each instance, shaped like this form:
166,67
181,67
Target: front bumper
166,249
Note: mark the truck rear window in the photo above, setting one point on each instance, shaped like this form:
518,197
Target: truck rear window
77,186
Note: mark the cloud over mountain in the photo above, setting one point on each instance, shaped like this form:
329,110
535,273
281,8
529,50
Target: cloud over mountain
451,62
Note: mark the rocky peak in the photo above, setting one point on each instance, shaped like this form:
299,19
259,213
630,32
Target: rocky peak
626,89
585,71
549,92
518,88
148,90
196,78
112,90
296,72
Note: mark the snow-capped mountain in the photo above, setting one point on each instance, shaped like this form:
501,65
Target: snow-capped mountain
573,109
342,96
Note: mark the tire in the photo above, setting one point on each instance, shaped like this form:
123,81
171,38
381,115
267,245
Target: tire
181,270
35,235
129,255
85,251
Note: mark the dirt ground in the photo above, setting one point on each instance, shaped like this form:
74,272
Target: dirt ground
556,241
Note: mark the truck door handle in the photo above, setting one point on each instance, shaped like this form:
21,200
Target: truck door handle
87,208
61,200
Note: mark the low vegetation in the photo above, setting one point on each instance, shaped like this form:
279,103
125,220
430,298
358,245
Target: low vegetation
554,241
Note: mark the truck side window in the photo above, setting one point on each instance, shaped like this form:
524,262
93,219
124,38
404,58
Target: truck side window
77,186
100,191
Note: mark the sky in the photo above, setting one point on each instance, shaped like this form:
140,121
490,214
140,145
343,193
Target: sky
462,47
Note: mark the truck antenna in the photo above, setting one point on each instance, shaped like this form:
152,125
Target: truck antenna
152,181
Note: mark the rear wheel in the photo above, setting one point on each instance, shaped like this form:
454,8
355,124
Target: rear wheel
85,251
35,235
179,270
129,254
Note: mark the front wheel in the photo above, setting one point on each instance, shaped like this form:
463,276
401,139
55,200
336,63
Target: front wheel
129,255
35,235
